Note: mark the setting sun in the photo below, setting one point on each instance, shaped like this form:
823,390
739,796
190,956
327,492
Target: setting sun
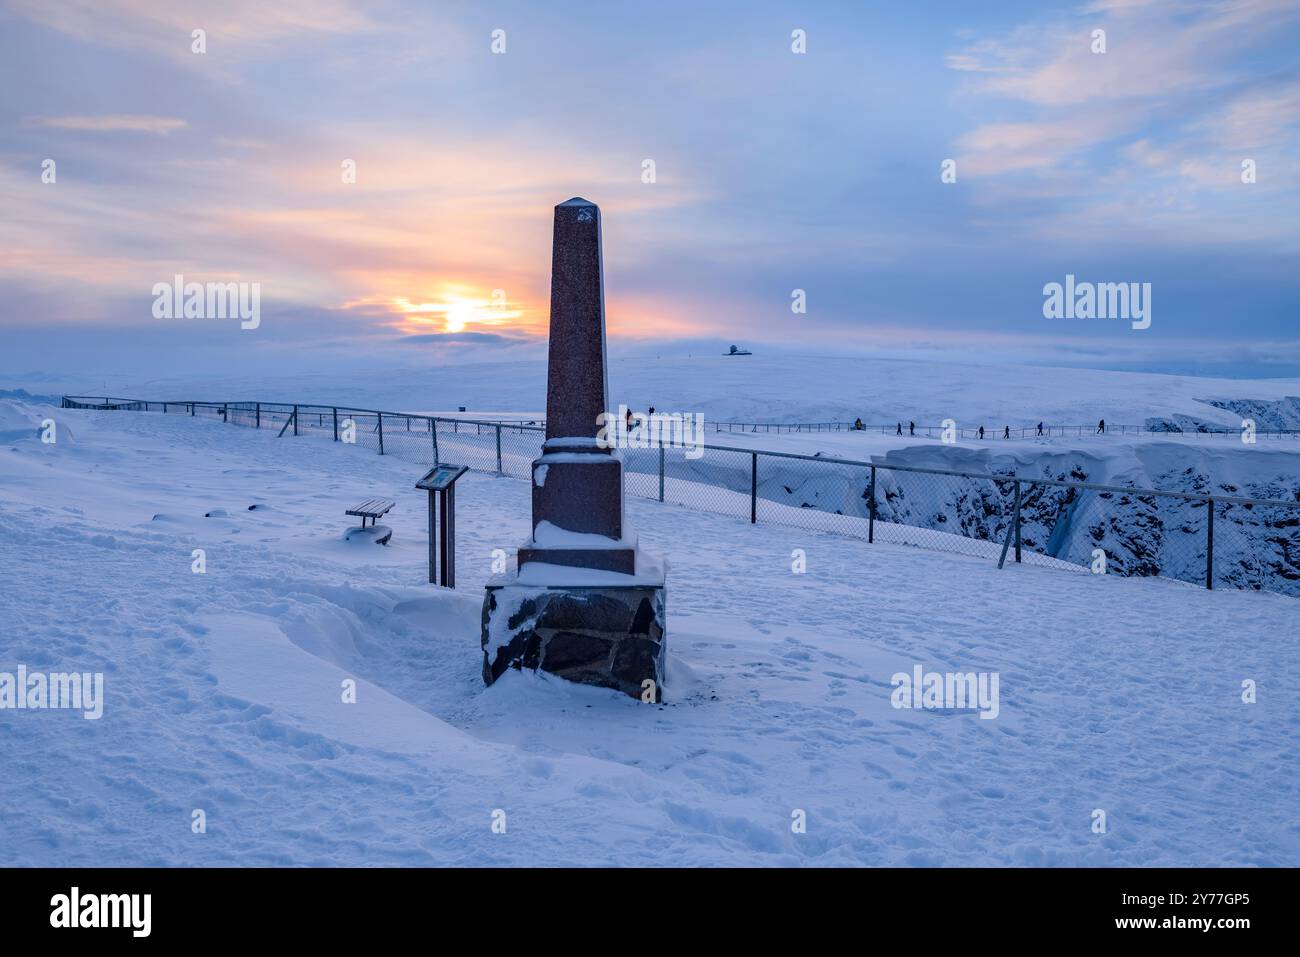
456,314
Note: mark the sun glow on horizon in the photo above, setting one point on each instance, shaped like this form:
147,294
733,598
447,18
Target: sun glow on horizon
453,310
462,307
455,314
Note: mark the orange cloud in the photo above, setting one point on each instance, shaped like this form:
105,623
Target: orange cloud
435,234
115,123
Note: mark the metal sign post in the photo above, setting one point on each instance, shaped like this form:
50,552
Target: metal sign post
440,481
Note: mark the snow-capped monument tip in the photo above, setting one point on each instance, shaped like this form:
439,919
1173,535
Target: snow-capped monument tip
584,605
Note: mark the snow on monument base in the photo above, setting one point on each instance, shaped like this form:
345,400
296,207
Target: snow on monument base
610,635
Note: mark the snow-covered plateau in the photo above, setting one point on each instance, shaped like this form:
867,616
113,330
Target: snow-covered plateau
201,569
758,388
1255,547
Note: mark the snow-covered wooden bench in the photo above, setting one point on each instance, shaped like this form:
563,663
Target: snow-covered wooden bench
372,509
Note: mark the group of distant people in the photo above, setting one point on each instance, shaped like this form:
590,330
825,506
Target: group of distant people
1006,429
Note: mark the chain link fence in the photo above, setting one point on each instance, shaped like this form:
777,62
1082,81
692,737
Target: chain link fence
1076,525
993,433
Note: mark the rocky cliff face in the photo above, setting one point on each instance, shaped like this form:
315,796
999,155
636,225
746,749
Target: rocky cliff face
1255,547
1282,414
1269,415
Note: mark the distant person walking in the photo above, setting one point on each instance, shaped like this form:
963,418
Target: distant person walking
1040,428
898,430
1101,427
1006,431
911,428
857,425
629,420
981,431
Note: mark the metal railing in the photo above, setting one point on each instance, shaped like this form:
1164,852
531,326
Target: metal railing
1195,536
911,430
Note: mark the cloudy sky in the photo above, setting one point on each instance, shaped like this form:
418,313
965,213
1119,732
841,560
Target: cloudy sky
774,171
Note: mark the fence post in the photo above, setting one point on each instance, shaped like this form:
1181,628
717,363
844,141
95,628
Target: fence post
753,489
336,424
295,420
1012,529
225,412
498,448
661,469
259,415
434,424
871,509
191,408
1209,544
381,432
1017,521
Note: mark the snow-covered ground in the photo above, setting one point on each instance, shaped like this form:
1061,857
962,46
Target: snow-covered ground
755,388
1256,548
224,689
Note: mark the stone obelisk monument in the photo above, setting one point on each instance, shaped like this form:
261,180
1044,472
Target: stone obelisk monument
585,603
577,483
